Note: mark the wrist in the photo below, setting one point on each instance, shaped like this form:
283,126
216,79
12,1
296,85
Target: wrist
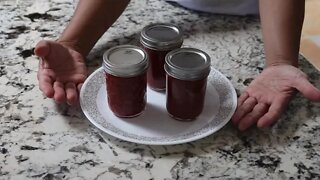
73,44
282,61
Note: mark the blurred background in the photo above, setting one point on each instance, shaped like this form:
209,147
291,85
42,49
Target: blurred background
310,42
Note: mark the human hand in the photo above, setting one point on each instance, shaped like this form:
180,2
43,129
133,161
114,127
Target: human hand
62,71
265,99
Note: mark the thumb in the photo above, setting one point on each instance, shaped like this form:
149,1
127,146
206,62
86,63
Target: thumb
307,89
42,49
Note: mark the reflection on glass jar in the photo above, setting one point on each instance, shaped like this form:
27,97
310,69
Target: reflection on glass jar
187,71
158,40
126,80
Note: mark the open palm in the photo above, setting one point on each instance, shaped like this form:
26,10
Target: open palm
266,98
62,71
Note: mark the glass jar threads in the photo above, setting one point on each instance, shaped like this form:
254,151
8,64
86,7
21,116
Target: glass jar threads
126,79
158,40
187,71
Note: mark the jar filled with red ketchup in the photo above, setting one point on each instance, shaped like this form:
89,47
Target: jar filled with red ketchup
126,79
158,40
187,71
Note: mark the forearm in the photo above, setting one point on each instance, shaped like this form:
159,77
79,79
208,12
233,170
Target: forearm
281,26
91,19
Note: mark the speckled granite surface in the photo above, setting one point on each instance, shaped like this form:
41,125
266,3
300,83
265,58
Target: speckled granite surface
39,140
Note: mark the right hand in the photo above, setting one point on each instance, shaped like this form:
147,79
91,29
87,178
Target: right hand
266,98
62,71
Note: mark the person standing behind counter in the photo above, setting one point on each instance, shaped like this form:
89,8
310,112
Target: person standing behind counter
62,69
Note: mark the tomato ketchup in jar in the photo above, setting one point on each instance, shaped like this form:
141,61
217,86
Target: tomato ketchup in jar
187,71
126,79
158,40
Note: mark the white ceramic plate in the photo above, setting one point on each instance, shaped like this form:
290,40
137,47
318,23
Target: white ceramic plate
154,126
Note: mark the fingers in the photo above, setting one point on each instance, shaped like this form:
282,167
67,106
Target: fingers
242,98
243,109
59,92
46,86
307,89
251,112
79,86
251,118
71,93
273,114
42,49
76,78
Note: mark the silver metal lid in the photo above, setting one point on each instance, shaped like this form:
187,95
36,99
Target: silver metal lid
187,64
161,36
125,61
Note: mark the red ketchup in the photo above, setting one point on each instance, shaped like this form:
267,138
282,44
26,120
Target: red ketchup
126,80
158,40
187,71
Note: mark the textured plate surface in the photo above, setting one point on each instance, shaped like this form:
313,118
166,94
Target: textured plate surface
154,126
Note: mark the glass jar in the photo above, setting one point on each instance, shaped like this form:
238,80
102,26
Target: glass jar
187,71
158,40
126,79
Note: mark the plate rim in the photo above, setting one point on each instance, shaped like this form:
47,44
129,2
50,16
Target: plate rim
174,142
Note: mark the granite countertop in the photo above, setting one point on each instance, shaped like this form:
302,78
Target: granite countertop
40,140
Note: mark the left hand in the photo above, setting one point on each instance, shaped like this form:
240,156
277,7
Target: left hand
62,71
265,99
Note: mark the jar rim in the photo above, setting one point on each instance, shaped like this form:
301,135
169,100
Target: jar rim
187,64
125,61
161,36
